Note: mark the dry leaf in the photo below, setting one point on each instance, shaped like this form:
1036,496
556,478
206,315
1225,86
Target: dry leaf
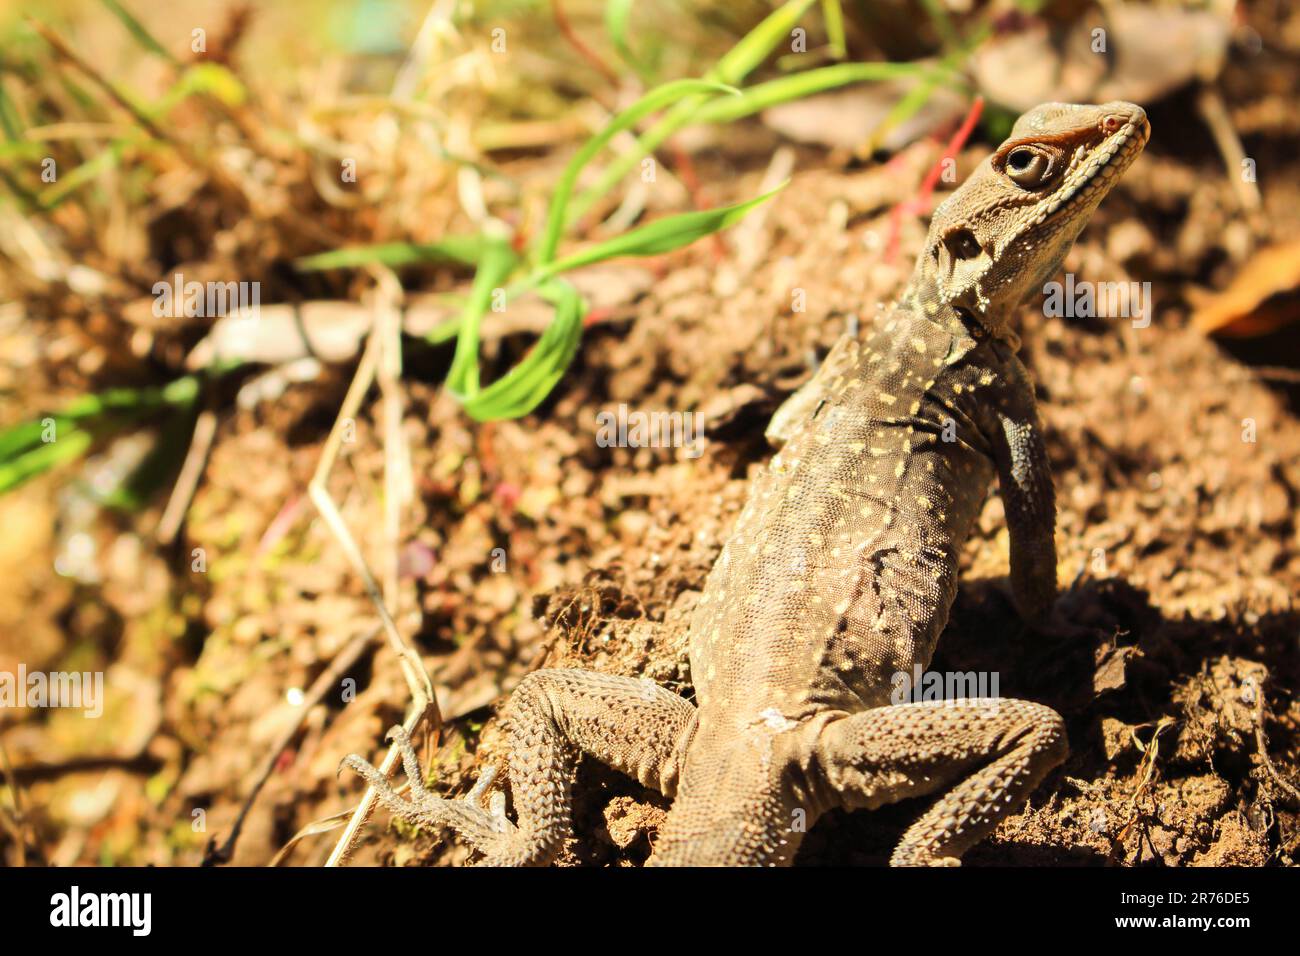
1248,306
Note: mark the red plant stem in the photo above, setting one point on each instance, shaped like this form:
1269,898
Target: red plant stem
585,51
686,172
920,202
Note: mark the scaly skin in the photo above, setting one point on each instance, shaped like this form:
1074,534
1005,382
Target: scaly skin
842,568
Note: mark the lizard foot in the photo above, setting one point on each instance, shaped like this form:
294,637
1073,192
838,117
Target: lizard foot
487,830
553,716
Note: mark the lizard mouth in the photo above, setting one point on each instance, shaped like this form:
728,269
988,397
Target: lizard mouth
1093,168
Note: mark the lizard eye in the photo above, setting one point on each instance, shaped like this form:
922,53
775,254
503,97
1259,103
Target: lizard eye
1027,167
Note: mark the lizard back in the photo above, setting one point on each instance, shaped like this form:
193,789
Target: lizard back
842,566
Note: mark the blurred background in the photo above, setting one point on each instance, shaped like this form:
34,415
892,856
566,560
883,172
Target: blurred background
407,181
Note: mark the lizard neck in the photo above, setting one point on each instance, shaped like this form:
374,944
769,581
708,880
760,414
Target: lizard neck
921,296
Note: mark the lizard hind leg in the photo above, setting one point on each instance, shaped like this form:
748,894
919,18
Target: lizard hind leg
990,752
632,725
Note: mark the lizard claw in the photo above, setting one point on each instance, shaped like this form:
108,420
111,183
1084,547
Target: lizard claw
481,786
351,762
486,829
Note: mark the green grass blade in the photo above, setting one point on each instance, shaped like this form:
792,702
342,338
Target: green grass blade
9,119
916,98
910,104
21,151
521,389
463,250
41,459
181,391
833,17
524,387
943,24
203,79
498,259
658,237
756,45
25,436
734,66
786,88
616,18
87,172
121,401
160,464
24,454
656,99
137,30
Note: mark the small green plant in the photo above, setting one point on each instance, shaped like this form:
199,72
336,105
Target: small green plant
32,447
713,98
502,272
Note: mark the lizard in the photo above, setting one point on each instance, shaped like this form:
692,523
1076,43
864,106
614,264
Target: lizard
841,570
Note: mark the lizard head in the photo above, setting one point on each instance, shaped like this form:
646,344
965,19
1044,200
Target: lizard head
995,241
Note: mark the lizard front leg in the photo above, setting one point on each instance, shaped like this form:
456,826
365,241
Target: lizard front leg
995,751
1029,498
632,725
1028,494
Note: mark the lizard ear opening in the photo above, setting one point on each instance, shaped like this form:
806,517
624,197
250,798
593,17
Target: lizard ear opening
962,244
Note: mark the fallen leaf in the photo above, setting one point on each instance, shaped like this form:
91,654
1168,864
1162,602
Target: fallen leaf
1250,305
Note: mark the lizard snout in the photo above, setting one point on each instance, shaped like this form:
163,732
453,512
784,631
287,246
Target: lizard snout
1124,114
